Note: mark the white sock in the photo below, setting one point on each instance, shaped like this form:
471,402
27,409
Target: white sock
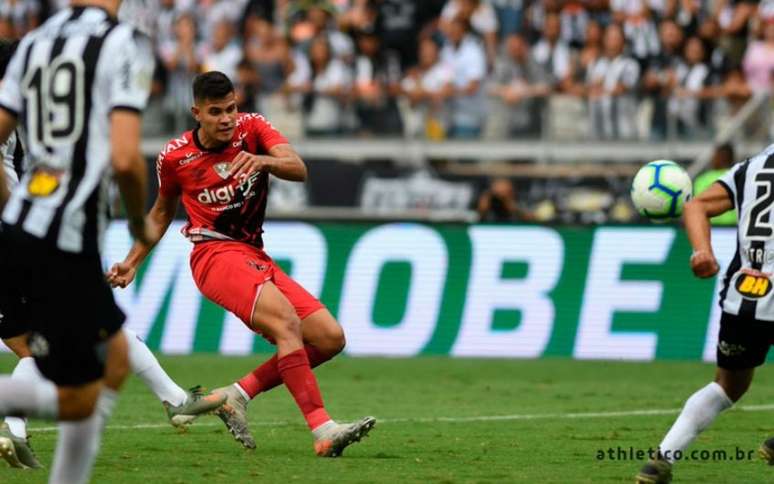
78,443
148,369
242,391
25,370
320,431
37,399
698,413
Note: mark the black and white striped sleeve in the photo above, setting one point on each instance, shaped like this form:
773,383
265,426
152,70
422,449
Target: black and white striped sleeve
132,71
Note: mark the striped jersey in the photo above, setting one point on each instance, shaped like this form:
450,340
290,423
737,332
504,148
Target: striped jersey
62,83
750,184
12,154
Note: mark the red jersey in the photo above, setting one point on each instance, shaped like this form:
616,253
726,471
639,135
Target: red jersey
219,207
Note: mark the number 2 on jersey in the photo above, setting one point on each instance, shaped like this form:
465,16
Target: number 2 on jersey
757,228
54,94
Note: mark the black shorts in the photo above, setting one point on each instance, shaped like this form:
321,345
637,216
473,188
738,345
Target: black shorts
13,318
743,343
70,308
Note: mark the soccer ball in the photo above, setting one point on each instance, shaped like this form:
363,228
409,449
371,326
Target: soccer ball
660,190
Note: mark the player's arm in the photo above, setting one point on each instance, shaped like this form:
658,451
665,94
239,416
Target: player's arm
282,162
7,125
129,168
714,201
158,220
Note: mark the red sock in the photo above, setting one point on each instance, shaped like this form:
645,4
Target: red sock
267,376
300,381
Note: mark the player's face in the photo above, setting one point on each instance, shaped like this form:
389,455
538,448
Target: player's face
217,117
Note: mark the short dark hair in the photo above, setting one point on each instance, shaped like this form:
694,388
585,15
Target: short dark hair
7,48
726,149
211,85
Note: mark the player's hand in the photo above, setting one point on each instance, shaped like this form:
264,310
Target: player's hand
703,264
121,275
246,164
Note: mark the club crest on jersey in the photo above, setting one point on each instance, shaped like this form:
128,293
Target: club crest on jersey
222,169
753,287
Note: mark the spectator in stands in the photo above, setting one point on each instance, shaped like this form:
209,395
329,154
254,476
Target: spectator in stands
267,52
521,84
480,16
224,52
499,203
759,59
734,17
182,58
688,104
315,19
464,53
591,51
401,23
510,15
574,20
428,88
21,15
553,54
377,78
722,160
660,77
164,30
611,89
246,86
330,83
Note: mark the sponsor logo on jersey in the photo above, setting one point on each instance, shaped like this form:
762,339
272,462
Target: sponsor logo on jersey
189,158
219,195
222,169
43,183
753,287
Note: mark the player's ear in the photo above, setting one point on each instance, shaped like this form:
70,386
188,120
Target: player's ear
195,112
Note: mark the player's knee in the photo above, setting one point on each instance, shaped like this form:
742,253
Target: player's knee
333,341
75,404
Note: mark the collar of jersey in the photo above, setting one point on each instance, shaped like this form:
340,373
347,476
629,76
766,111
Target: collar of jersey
198,143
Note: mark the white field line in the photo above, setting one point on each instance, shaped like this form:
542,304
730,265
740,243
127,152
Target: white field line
481,418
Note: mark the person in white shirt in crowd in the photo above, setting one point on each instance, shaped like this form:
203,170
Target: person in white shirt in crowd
553,53
759,59
521,84
688,103
224,51
612,82
428,88
482,18
329,90
465,54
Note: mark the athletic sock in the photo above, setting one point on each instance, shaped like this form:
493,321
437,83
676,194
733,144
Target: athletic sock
25,370
78,443
300,381
698,413
267,376
148,369
37,399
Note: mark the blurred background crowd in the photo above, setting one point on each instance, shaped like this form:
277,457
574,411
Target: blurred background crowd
487,70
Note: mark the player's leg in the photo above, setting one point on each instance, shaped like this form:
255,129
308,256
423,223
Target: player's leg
181,406
742,346
79,441
323,339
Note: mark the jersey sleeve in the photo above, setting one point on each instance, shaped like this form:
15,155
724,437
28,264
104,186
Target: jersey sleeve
130,81
10,87
728,181
168,183
265,134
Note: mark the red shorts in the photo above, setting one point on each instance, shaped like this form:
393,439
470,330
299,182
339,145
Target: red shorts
231,274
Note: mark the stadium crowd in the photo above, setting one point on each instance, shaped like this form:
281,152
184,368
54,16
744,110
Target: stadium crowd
614,69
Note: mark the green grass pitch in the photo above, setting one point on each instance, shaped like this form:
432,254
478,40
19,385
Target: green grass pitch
434,427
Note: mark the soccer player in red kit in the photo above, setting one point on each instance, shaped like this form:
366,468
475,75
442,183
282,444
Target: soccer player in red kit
221,171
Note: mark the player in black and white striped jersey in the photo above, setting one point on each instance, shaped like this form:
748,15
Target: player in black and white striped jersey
181,406
76,86
746,298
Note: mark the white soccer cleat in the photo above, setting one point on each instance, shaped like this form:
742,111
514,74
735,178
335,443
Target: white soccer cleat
333,440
